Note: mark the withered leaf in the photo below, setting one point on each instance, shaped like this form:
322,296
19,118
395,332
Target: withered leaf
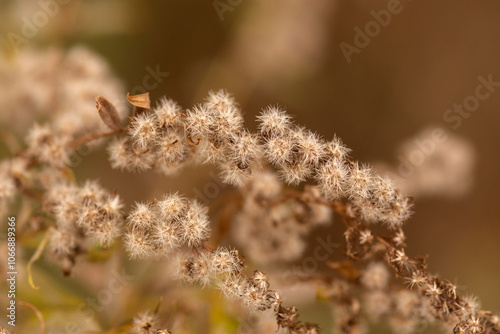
140,102
108,113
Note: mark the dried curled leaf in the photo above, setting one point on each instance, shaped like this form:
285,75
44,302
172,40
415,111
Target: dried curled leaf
141,102
108,113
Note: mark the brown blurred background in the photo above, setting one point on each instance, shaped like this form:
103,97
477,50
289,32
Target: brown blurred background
287,52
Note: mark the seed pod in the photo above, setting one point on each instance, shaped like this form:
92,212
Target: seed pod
108,113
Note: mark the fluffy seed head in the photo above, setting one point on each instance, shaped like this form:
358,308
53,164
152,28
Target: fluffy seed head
310,147
226,261
171,147
144,130
166,110
295,173
260,280
196,269
331,177
171,207
166,235
220,100
195,224
337,149
62,243
274,122
143,322
359,181
124,155
244,150
142,216
279,150
139,244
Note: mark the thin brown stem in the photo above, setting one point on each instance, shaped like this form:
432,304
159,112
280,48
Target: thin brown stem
88,138
384,242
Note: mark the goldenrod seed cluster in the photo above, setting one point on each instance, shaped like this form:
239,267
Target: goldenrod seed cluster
290,182
82,214
300,154
159,227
